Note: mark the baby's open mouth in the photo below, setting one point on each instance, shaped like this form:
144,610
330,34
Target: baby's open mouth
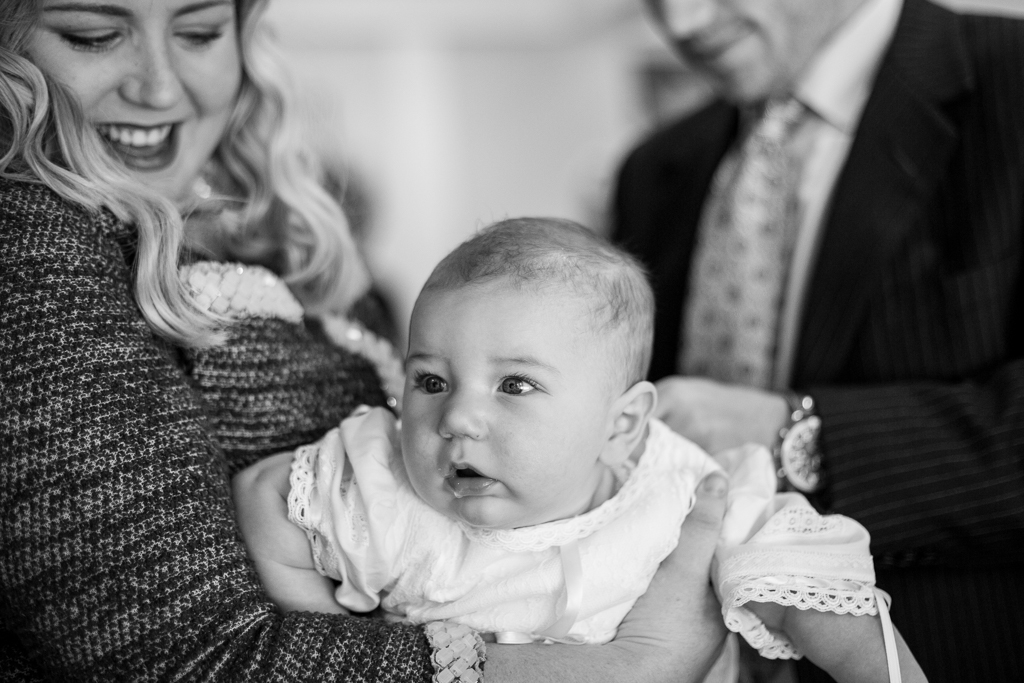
465,481
144,148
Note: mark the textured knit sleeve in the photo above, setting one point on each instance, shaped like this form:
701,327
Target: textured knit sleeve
119,555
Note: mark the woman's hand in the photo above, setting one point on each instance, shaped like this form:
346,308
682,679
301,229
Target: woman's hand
673,633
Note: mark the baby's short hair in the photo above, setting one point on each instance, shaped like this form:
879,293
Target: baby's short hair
551,251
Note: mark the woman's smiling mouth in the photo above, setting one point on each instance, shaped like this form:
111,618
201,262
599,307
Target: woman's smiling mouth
143,148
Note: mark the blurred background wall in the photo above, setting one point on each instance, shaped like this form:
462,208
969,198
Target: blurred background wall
440,116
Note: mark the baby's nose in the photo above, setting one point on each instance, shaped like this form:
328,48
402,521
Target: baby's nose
463,418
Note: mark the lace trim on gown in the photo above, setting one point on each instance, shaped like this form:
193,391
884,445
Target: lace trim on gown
302,484
838,580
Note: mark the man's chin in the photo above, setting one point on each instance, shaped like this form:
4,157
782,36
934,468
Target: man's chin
742,91
748,81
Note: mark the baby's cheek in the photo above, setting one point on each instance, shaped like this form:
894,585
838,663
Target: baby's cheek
420,475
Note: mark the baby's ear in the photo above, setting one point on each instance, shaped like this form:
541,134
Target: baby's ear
629,417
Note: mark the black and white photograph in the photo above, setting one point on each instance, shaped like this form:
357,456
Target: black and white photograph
512,341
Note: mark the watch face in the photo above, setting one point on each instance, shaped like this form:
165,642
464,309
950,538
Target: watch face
801,460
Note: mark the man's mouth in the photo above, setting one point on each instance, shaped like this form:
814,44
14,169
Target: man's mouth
713,43
142,148
465,481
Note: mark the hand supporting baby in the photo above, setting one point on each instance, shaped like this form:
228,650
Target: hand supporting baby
674,631
850,648
278,548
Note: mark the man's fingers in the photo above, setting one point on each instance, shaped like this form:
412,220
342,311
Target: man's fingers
710,506
702,527
679,611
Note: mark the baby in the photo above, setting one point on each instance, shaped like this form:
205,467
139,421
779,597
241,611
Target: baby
527,492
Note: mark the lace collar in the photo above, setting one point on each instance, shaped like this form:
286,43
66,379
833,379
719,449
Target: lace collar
562,531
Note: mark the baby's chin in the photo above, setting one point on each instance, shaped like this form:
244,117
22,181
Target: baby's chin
482,512
489,512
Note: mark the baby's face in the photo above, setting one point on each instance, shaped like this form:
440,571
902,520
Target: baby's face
507,406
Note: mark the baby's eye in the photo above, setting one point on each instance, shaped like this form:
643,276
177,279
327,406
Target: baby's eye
516,386
431,384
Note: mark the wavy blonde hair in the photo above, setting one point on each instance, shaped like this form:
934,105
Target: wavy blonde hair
276,212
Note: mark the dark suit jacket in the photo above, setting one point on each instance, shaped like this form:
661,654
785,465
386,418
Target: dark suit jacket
912,336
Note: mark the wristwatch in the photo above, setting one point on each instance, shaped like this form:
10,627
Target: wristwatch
797,454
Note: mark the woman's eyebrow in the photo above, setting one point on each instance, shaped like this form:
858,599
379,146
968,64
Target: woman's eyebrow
119,11
200,6
93,8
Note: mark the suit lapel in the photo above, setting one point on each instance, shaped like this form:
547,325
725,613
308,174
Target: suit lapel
898,156
685,179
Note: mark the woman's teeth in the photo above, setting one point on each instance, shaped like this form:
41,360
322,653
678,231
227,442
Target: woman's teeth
132,136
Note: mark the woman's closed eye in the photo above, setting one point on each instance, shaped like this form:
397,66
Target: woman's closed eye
200,38
517,385
91,41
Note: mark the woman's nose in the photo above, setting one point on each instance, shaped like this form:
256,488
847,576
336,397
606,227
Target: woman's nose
153,82
464,418
683,18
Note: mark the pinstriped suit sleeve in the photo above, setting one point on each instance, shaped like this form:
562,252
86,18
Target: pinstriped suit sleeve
930,468
923,397
925,442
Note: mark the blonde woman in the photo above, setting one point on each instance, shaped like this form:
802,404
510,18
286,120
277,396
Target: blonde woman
173,279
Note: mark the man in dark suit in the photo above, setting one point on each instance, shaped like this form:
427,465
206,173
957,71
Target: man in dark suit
896,358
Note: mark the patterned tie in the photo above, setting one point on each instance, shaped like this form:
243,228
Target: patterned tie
745,241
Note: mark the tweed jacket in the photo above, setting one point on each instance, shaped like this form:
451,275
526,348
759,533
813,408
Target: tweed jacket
912,333
119,555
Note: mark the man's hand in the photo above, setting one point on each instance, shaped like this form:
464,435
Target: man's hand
679,612
673,634
717,416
